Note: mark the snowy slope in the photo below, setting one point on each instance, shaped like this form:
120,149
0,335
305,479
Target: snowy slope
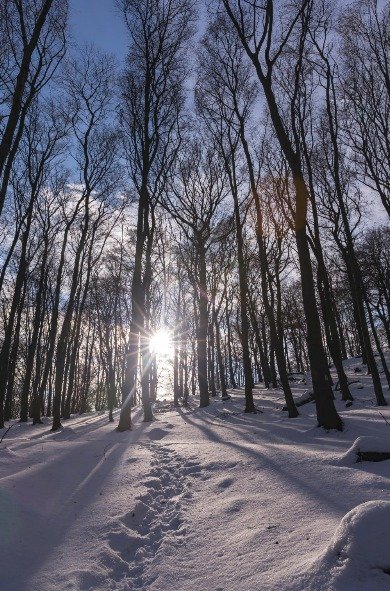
201,499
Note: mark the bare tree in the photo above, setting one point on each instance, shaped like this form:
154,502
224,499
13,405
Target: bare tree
32,37
153,102
265,35
88,83
41,147
219,99
364,28
193,199
342,198
229,93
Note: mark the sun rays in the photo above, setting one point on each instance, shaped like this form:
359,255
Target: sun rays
161,344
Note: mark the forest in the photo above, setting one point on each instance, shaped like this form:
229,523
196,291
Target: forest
207,219
245,212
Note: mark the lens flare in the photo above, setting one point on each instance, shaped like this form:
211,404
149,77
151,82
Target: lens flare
160,343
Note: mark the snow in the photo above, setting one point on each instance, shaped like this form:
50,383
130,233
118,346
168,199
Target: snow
358,557
366,444
211,499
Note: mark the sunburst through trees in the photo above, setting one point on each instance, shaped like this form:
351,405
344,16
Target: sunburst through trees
210,214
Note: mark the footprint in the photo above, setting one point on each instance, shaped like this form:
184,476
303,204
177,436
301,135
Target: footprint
153,483
133,519
225,483
126,545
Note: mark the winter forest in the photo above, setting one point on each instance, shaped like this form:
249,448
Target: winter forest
195,291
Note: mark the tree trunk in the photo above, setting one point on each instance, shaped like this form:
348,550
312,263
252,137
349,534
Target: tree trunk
202,326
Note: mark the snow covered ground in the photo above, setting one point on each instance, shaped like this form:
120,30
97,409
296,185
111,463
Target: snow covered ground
199,500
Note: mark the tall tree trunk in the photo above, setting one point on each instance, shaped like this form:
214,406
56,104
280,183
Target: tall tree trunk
37,322
14,126
276,341
63,338
202,326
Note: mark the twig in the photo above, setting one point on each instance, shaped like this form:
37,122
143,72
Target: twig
4,434
384,418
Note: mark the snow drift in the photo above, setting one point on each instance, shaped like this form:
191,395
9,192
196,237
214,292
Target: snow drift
365,445
358,557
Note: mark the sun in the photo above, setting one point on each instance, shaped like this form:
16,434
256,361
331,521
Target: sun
160,343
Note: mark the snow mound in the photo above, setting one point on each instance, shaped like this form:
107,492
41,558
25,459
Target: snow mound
365,444
358,557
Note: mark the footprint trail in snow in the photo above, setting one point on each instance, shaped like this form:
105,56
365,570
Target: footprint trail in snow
158,517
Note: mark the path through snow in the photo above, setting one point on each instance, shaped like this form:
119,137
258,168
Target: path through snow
209,499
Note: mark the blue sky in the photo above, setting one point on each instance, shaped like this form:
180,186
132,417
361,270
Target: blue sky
98,22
